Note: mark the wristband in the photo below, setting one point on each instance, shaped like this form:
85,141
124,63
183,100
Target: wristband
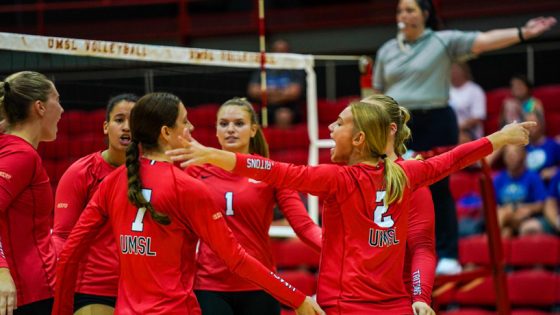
520,34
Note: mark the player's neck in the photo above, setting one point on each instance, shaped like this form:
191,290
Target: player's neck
156,156
29,133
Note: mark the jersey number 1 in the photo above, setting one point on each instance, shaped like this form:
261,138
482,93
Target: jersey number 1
229,203
380,210
138,224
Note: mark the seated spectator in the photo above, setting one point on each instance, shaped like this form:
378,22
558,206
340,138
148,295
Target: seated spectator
543,153
469,102
521,101
284,91
551,210
520,195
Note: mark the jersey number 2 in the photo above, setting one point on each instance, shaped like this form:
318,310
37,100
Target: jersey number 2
138,224
380,210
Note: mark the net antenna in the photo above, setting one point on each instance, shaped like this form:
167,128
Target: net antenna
170,55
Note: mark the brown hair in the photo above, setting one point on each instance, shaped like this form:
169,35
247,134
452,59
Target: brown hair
151,112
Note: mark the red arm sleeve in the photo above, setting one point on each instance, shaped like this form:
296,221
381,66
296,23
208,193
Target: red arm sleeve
16,172
421,245
69,201
210,225
316,180
75,248
296,214
424,173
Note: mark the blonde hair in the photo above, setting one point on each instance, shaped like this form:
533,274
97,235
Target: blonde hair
18,92
373,118
399,115
257,144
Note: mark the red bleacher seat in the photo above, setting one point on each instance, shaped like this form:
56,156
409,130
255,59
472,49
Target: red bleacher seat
328,110
474,250
303,280
480,293
534,287
467,311
535,250
530,312
55,150
203,115
85,144
294,253
292,138
294,156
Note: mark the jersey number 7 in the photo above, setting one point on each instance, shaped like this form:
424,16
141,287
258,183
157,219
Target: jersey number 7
138,224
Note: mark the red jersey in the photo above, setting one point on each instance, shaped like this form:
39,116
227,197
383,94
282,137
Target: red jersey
98,274
157,262
420,258
364,240
247,205
26,219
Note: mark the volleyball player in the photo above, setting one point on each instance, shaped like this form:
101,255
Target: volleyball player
96,289
158,213
247,206
30,104
366,202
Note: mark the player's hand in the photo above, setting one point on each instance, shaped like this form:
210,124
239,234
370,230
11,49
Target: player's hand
421,308
192,153
8,296
512,134
309,307
537,26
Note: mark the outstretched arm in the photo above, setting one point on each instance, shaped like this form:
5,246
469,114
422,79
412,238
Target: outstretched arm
501,38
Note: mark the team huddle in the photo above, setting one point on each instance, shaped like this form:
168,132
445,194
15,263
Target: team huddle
158,223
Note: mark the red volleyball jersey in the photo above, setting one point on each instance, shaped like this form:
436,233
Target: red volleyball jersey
157,262
247,205
98,273
364,240
26,219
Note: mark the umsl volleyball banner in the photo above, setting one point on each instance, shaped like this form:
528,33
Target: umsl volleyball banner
155,53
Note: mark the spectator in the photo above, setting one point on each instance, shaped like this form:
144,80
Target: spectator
543,153
520,195
551,210
521,101
284,91
469,102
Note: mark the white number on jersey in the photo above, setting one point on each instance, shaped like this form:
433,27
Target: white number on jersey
380,210
229,203
138,225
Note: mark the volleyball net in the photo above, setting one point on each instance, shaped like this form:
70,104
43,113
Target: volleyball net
88,72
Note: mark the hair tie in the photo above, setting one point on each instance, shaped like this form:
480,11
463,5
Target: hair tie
383,156
7,88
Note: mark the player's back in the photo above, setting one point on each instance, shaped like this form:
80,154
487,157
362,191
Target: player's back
156,261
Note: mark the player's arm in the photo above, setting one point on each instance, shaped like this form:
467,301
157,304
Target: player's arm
421,245
75,247
295,212
423,173
16,172
69,201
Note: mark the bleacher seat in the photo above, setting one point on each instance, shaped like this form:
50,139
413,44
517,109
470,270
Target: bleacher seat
328,110
206,136
494,100
295,137
479,293
294,253
535,250
203,115
294,156
55,150
530,312
474,250
467,311
534,287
